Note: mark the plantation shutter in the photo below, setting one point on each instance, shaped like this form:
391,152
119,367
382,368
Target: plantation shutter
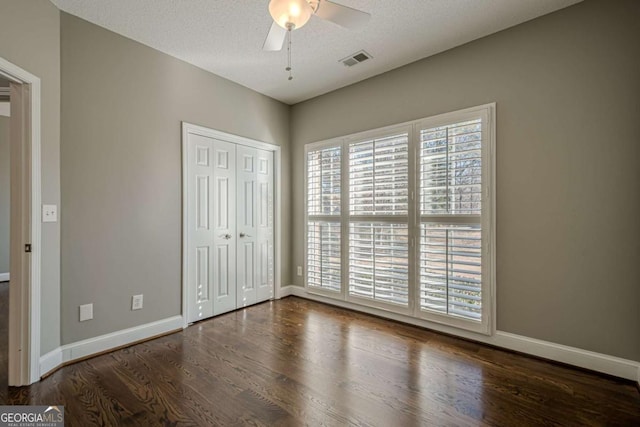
323,219
379,261
323,181
450,269
378,176
451,278
323,255
378,249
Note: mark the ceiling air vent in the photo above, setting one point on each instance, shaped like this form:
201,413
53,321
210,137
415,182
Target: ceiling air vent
356,58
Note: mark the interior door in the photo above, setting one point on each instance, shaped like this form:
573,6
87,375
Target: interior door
230,226
246,174
224,235
264,226
211,281
200,182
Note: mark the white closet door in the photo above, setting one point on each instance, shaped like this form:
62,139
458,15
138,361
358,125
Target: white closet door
230,226
211,276
246,174
200,228
224,219
264,225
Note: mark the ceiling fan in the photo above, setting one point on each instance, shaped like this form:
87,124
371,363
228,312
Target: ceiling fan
289,15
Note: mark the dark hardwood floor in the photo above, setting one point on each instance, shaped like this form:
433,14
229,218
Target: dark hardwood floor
296,362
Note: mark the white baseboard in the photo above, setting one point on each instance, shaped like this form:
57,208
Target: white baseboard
50,361
4,277
91,346
611,365
286,291
591,360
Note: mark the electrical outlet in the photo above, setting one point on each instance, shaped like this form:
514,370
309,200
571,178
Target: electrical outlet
86,312
299,271
136,302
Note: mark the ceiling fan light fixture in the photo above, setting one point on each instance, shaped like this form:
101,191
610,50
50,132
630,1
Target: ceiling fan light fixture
290,14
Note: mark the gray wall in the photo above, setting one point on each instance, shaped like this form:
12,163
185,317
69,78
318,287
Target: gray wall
30,38
5,195
567,89
122,104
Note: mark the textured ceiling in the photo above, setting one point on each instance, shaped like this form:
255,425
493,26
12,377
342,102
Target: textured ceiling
226,36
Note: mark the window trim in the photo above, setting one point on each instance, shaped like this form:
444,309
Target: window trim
486,112
487,219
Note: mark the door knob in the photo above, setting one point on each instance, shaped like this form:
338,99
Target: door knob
226,236
244,235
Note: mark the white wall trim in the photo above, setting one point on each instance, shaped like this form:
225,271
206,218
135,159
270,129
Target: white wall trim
611,365
51,360
4,277
99,344
591,360
286,291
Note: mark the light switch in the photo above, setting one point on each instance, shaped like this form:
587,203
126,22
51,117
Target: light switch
136,302
86,312
49,213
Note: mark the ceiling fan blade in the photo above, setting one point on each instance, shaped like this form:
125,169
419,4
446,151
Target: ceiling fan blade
344,16
275,38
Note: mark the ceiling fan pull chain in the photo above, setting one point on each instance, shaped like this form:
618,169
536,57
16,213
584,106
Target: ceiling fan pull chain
289,55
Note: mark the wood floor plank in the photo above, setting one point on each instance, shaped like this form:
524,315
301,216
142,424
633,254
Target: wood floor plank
296,362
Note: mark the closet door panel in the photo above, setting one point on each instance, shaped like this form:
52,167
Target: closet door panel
224,219
246,175
264,226
199,226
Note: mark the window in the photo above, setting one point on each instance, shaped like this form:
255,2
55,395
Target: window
451,190
416,240
379,262
323,177
451,169
323,219
379,247
323,255
378,176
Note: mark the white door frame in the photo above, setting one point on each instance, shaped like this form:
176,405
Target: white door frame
24,339
188,128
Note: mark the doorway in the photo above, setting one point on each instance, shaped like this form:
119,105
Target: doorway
229,222
24,221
